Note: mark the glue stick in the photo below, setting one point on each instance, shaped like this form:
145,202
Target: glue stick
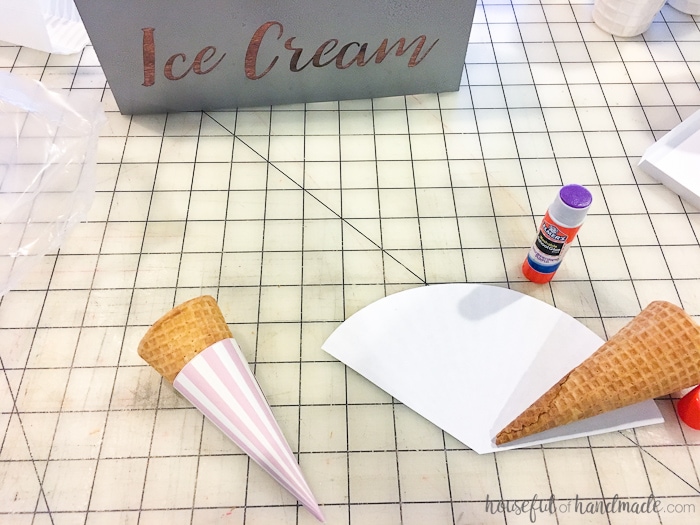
556,233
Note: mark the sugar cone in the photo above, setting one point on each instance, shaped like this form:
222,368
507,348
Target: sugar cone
193,348
655,354
181,334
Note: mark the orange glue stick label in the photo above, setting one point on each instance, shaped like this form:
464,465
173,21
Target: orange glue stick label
548,250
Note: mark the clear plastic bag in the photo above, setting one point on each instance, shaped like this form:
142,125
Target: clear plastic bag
48,146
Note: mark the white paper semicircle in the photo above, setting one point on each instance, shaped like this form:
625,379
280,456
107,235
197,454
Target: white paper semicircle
471,357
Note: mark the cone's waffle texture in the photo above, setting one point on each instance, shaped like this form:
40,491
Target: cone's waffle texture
657,353
181,334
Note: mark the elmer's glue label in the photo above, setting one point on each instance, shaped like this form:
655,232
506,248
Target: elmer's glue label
557,231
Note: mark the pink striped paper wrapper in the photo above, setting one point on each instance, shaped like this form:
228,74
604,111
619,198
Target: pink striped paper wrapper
219,382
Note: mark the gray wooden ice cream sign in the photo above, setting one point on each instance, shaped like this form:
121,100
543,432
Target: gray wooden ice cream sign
185,55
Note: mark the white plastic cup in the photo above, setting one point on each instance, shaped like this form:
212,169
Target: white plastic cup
625,18
690,7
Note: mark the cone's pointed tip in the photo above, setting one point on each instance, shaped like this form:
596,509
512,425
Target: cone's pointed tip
310,504
505,438
316,512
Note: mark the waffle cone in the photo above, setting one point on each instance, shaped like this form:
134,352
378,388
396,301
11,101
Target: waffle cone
655,354
181,334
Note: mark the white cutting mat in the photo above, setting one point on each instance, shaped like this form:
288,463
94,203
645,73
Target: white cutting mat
295,218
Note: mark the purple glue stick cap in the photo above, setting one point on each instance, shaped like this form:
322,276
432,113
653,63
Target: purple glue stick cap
571,205
576,196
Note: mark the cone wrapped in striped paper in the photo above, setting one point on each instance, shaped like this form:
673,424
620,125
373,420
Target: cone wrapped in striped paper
193,348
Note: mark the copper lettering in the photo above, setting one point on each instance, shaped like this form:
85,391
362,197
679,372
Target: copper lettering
382,52
358,59
294,61
326,53
251,55
149,57
203,57
322,50
330,52
168,71
315,60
